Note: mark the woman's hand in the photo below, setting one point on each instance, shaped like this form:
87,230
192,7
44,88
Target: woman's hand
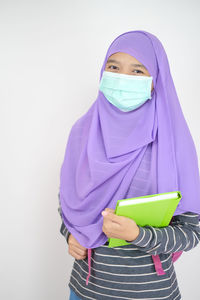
118,226
75,249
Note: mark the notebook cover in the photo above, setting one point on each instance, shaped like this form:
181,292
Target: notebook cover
156,214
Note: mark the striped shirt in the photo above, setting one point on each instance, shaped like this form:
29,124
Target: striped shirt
128,272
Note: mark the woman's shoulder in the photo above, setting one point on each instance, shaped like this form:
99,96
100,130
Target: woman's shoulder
84,121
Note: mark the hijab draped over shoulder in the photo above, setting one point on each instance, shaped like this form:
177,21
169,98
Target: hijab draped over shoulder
105,147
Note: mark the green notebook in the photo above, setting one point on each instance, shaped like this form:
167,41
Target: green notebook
154,210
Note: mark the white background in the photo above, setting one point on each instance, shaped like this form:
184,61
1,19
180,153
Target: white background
51,53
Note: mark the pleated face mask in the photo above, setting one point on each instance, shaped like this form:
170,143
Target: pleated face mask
126,92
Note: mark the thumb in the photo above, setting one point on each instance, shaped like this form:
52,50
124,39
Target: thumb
110,210
107,210
112,216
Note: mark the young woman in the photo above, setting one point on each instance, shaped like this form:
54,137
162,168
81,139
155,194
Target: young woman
133,141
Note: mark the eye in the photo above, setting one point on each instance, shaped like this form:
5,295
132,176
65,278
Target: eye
110,67
138,71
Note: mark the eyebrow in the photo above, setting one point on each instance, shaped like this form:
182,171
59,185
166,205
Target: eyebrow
117,62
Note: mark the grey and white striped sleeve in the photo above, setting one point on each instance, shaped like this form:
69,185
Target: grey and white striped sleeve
182,234
63,229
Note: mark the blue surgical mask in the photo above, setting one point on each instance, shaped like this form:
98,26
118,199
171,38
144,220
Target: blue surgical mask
127,92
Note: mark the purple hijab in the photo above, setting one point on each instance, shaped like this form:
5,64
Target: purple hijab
106,146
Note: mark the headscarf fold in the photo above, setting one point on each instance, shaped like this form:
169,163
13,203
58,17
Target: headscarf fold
105,147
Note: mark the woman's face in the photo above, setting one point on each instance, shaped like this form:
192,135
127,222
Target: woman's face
124,63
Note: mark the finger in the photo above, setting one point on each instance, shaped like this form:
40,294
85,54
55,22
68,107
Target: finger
113,217
110,226
111,210
75,255
78,250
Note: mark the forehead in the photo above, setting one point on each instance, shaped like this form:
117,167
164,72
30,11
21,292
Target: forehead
122,57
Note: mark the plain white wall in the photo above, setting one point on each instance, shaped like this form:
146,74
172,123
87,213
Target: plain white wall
51,53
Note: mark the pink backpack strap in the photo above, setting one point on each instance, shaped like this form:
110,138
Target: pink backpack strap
158,265
176,255
89,265
157,262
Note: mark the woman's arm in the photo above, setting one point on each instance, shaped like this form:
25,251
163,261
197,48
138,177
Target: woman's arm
182,234
75,249
63,229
